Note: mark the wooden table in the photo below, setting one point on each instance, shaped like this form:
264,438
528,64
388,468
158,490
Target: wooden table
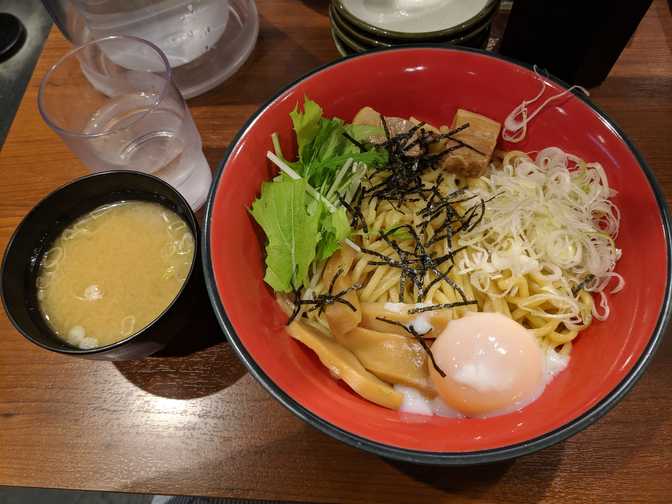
199,424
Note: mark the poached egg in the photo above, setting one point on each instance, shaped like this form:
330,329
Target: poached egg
493,365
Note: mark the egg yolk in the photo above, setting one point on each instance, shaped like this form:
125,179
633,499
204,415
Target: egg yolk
493,365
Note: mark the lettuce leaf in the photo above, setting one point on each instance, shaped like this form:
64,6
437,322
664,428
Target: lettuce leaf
334,228
306,126
300,228
323,147
292,232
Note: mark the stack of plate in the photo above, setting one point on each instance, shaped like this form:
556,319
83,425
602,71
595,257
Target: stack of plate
361,25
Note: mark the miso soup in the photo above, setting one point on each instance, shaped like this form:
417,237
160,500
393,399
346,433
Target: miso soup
113,271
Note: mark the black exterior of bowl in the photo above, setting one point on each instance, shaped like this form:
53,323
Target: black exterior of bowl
44,223
438,36
440,458
339,24
341,46
359,41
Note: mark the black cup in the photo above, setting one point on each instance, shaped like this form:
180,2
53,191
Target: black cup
43,224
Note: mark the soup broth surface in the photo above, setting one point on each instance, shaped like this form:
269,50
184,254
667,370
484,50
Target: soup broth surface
113,271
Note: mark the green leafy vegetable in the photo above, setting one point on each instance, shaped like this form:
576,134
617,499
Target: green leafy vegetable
335,228
298,215
291,231
324,149
306,125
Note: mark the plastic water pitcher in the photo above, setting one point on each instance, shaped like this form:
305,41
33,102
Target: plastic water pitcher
205,41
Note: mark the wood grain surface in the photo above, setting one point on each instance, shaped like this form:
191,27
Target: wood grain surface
193,421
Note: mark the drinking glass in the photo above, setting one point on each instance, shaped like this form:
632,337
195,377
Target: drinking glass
114,103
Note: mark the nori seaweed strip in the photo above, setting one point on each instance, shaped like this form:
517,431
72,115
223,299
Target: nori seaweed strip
384,263
438,209
435,212
419,338
460,143
430,204
373,188
469,215
451,253
296,302
405,265
444,306
455,131
435,157
385,188
385,128
449,136
445,203
338,273
405,169
360,145
452,217
434,189
466,220
416,276
457,192
397,190
480,217
421,140
418,281
399,195
448,235
398,210
431,284
402,286
392,243
355,211
377,254
409,136
448,280
432,265
418,251
323,300
582,285
494,196
456,288
424,263
396,142
468,198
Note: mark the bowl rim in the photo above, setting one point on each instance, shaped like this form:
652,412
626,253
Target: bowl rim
193,223
340,45
487,11
341,27
418,456
349,40
361,41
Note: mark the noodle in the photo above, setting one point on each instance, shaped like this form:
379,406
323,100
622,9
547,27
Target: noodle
434,236
536,293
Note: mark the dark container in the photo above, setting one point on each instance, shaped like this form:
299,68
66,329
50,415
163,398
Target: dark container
12,35
578,41
34,235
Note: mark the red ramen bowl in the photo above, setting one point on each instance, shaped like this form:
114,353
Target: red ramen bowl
430,83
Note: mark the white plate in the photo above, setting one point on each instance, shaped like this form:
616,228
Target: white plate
414,16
